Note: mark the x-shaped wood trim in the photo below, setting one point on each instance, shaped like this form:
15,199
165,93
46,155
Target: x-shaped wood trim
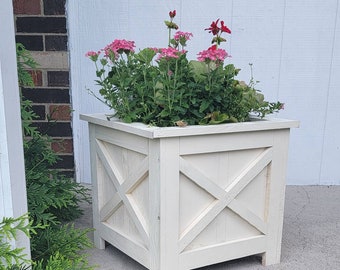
224,198
123,196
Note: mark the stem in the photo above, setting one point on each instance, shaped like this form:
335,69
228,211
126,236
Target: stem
175,74
175,80
209,77
251,82
168,90
145,82
169,38
101,79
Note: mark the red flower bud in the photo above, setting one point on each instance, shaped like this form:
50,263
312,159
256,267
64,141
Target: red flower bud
172,14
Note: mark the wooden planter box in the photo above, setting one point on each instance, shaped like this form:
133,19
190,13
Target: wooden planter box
182,198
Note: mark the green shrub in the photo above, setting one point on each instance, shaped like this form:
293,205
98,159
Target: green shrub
53,199
9,229
65,241
60,262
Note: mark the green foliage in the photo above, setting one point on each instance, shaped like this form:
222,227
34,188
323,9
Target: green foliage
173,89
53,199
61,262
27,116
59,202
24,61
18,267
9,228
64,240
178,90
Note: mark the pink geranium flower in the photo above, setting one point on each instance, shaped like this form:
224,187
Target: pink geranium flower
93,55
169,53
118,46
212,54
182,35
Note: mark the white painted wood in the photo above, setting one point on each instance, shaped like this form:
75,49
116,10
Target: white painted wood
293,45
154,208
136,143
248,215
201,180
13,202
222,252
118,180
97,187
275,203
127,245
164,132
171,209
169,203
231,192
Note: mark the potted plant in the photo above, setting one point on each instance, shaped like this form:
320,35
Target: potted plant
183,175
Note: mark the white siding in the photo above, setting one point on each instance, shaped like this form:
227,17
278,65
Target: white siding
13,201
294,47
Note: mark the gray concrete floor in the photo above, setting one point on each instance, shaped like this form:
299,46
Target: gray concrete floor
311,236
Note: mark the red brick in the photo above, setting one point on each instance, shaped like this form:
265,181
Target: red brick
64,146
27,7
36,76
60,112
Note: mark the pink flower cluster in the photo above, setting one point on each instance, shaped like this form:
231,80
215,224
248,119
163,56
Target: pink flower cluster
179,34
212,54
93,55
169,53
119,46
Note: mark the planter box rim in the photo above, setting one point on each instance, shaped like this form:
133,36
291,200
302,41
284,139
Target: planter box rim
162,132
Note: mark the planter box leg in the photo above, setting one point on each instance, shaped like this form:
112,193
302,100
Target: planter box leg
270,258
276,200
98,241
169,205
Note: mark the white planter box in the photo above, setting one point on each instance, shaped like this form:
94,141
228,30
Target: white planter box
182,198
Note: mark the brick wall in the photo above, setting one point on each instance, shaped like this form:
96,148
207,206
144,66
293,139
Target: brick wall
41,28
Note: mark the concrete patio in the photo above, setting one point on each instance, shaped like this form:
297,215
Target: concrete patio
311,236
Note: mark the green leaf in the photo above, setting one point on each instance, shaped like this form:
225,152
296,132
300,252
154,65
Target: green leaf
200,69
164,113
204,105
217,118
146,55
